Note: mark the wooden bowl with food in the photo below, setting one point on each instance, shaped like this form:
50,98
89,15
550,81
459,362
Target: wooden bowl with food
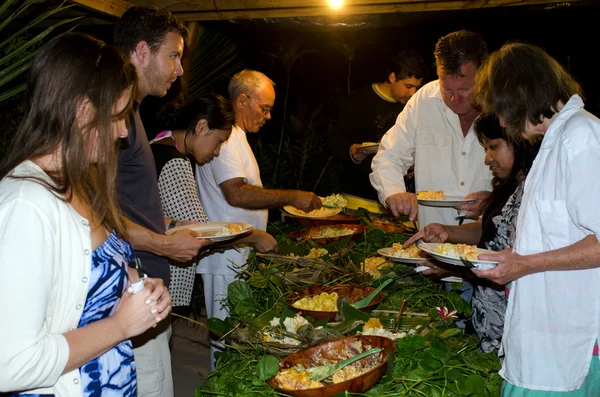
321,302
296,379
327,234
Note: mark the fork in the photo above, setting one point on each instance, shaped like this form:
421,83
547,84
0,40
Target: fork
461,217
467,263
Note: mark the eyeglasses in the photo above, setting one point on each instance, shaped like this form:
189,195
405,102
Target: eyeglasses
264,108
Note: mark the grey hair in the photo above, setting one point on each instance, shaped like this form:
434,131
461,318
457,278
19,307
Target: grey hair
246,82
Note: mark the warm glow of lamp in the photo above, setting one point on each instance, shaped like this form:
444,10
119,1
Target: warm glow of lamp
336,4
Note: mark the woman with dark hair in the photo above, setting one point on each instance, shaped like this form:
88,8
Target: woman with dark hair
197,129
553,312
495,230
64,297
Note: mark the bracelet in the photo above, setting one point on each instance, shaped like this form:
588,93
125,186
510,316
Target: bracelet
172,224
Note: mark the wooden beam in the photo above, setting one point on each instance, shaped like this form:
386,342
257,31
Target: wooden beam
405,6
115,8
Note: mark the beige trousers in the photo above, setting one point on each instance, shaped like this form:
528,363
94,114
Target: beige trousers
153,361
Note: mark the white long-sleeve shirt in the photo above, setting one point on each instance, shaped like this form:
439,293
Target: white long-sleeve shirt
553,318
427,134
235,160
45,257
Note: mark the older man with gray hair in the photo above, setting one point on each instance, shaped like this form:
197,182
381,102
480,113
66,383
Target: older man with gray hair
231,190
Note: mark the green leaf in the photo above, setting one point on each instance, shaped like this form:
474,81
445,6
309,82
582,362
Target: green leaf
410,344
245,308
267,367
217,326
367,300
429,363
453,374
238,291
475,384
451,332
419,374
259,281
350,313
494,384
375,235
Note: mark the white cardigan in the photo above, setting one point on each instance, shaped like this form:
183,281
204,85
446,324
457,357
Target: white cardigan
45,266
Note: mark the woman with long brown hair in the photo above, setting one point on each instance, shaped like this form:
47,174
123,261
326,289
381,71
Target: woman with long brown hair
65,295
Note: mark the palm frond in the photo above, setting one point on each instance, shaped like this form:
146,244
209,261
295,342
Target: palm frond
215,58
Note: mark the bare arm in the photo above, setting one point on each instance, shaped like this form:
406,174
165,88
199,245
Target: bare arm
584,254
469,233
240,194
181,246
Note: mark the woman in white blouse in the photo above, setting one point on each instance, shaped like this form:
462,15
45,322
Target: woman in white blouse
67,308
552,322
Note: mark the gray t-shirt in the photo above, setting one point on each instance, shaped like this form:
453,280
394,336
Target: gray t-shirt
138,193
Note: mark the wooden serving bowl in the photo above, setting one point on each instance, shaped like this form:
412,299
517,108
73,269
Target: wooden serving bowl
353,292
310,233
331,350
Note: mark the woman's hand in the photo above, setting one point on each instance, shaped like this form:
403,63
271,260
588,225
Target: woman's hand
136,313
432,233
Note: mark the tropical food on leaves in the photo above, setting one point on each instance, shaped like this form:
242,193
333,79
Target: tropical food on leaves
374,264
334,201
324,302
274,332
375,328
431,195
332,232
409,252
232,228
297,378
458,251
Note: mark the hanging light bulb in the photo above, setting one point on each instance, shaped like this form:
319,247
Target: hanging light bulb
336,4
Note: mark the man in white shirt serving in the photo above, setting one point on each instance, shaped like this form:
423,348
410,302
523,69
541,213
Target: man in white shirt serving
434,132
230,187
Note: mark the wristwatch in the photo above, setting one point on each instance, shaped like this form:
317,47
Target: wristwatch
172,224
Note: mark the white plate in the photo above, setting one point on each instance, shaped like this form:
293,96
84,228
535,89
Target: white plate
322,212
387,252
430,248
209,230
370,148
452,279
451,201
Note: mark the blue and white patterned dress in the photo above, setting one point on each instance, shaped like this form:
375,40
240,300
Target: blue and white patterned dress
113,373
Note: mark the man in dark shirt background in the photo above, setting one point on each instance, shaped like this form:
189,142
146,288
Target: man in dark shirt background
366,116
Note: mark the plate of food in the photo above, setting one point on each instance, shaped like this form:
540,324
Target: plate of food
215,231
294,375
369,147
322,212
411,255
451,254
437,198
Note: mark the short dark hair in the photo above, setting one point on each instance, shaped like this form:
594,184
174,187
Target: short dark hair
213,108
406,64
147,24
521,83
487,127
458,48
